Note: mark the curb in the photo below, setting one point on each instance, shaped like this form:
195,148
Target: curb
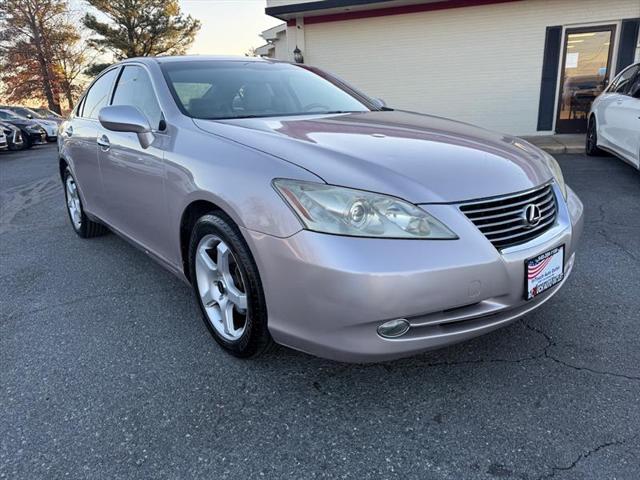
560,149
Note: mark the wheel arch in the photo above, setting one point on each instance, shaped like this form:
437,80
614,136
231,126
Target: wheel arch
62,165
190,215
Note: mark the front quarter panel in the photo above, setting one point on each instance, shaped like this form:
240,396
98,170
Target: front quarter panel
237,179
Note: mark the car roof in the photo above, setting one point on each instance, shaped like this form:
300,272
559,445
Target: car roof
191,58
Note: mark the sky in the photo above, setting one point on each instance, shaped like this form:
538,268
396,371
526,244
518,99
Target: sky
229,27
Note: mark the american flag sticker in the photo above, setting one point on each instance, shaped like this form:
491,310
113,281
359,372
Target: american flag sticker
544,271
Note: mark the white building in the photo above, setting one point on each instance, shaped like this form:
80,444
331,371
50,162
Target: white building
517,66
276,46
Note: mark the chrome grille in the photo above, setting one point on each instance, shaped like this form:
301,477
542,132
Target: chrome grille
502,219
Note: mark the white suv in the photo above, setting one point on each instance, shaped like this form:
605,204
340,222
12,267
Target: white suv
614,121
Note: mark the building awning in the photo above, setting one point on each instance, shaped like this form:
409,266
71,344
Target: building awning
265,50
272,33
332,10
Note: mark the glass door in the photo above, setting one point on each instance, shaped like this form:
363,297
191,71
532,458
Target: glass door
586,67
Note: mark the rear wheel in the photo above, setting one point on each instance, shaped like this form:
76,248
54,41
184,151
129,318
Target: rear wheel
227,286
591,146
81,224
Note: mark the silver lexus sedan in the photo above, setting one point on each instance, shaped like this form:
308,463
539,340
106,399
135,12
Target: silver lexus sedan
305,213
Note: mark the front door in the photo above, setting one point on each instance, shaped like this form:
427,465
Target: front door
586,66
133,176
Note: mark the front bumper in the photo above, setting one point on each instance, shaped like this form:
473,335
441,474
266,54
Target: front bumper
326,294
51,133
37,138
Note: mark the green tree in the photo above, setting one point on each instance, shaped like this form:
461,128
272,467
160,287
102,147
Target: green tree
31,34
140,28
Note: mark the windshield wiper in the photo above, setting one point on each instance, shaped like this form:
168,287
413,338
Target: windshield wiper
331,112
271,115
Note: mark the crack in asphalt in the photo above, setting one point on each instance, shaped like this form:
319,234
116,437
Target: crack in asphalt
84,298
610,240
582,456
417,363
552,343
544,353
16,199
602,218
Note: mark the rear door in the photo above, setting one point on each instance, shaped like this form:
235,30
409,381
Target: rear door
620,123
80,137
631,112
134,176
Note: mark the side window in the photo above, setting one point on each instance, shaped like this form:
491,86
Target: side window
98,95
624,80
634,89
78,111
134,88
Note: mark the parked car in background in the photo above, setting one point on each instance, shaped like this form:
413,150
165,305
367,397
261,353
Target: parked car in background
614,119
48,114
32,132
50,126
303,212
4,145
13,135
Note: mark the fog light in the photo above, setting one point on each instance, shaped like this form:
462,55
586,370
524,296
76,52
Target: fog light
393,328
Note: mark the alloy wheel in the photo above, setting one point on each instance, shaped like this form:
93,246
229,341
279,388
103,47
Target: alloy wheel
73,203
591,136
221,287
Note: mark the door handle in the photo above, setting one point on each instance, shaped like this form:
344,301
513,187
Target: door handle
68,131
104,143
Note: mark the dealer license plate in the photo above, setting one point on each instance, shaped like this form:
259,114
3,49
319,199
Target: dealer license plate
544,271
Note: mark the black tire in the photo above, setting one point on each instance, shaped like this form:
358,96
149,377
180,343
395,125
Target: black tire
27,143
591,142
87,228
255,339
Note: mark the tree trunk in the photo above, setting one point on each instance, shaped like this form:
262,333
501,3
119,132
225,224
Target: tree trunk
47,80
68,95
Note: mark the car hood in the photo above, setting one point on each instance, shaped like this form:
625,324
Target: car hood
18,122
48,123
421,158
8,126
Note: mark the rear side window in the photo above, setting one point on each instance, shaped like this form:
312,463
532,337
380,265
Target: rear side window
134,88
623,82
634,89
79,108
98,95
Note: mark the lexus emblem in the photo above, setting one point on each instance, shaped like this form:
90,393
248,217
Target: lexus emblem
531,215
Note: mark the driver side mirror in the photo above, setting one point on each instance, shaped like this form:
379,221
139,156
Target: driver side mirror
125,118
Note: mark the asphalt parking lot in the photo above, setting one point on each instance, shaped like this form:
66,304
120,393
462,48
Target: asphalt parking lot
108,372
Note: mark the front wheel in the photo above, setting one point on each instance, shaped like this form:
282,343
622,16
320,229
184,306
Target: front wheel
27,143
227,286
591,146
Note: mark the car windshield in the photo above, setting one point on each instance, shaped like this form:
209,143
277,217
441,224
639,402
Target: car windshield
218,90
7,115
26,111
47,113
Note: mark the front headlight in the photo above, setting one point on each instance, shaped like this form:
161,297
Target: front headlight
345,211
552,163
